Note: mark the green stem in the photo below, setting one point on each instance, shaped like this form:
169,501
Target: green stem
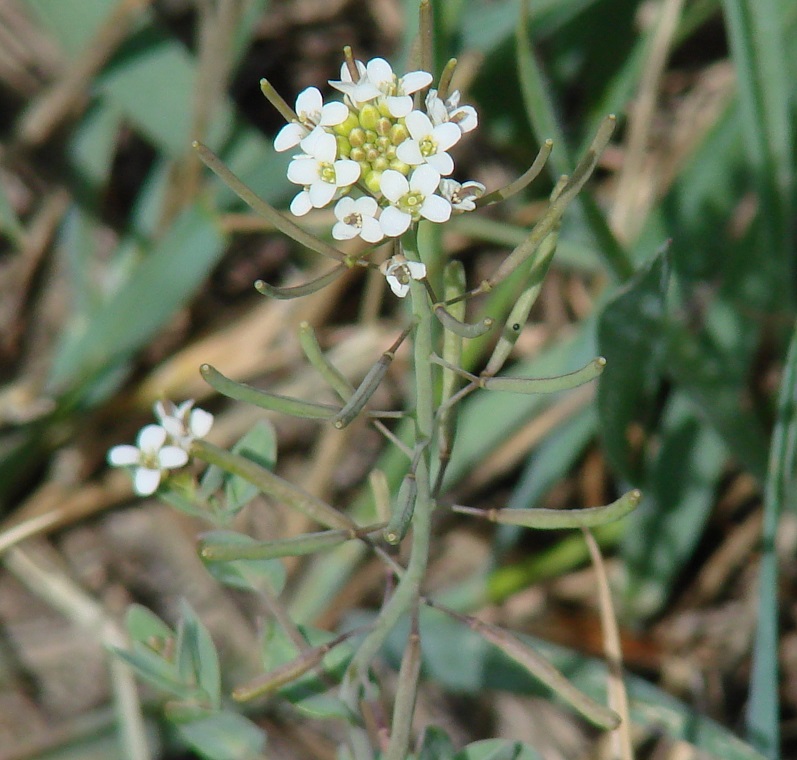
407,592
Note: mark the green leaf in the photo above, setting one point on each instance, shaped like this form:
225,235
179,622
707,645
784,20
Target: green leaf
631,331
246,574
762,723
497,749
259,445
224,736
152,668
196,657
146,627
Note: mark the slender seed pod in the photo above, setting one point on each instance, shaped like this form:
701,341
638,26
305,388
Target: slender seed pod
266,210
525,179
520,311
305,289
556,519
308,543
334,377
273,485
463,329
399,524
270,682
264,399
368,386
523,654
545,384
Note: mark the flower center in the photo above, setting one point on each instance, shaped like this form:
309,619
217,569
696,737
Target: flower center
327,173
428,146
401,272
354,220
411,204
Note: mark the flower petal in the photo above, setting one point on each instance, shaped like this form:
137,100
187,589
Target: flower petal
379,71
172,457
399,105
399,288
309,103
410,153
121,456
446,135
371,230
366,206
425,179
146,481
393,185
200,422
289,136
465,118
394,222
301,204
441,162
417,269
414,81
418,125
324,147
347,172
345,207
321,193
333,114
303,170
343,231
436,209
151,438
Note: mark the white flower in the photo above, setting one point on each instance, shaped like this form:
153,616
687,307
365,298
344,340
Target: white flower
357,217
411,200
183,423
428,143
398,272
377,78
461,196
441,112
319,172
311,112
150,457
358,92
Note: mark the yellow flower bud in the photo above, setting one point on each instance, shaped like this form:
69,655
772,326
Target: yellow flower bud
357,137
383,126
400,166
372,180
357,154
398,134
344,147
369,116
380,164
345,127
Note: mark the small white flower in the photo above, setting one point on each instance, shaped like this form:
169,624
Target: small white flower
397,91
359,92
411,200
357,217
428,143
398,272
183,423
377,79
449,110
461,196
319,172
311,112
150,457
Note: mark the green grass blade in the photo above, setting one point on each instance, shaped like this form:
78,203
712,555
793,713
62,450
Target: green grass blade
762,719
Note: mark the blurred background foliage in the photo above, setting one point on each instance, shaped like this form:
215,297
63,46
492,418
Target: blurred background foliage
124,265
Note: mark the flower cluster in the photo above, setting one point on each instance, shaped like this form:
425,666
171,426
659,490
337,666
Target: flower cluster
377,142
162,447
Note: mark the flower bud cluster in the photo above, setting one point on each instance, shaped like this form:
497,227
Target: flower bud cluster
395,156
162,447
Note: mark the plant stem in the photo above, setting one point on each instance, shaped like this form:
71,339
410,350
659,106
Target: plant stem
407,593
